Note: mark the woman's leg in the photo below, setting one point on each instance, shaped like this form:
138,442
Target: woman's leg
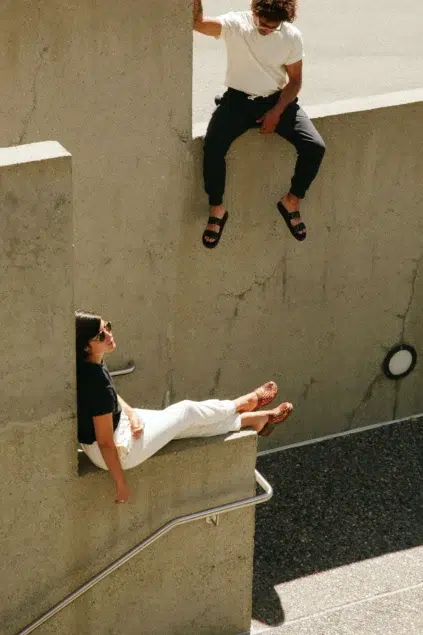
203,418
244,404
255,420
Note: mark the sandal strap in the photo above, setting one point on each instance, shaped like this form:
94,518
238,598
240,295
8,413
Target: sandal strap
213,220
297,228
210,233
294,214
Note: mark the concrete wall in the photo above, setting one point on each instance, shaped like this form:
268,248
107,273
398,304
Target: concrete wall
114,85
59,528
317,316
112,82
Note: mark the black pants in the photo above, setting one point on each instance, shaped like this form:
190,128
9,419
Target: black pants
234,115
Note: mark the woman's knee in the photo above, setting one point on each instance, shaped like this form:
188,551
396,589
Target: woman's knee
188,405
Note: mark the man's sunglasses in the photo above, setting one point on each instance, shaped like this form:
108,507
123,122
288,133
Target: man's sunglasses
100,337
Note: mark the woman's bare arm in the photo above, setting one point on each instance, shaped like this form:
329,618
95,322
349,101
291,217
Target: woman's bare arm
125,407
137,426
206,26
103,426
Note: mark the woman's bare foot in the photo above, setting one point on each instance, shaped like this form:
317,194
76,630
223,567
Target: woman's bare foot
264,422
277,415
260,397
254,420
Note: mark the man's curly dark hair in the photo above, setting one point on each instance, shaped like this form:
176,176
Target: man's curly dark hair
275,10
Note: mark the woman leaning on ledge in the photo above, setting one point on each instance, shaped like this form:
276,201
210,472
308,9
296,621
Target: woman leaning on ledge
117,437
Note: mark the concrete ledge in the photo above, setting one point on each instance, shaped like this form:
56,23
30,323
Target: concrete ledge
195,580
360,104
32,153
86,466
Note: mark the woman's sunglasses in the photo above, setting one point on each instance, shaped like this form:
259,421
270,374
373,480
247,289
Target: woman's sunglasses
100,337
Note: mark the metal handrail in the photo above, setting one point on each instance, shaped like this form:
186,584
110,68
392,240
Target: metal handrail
123,371
180,520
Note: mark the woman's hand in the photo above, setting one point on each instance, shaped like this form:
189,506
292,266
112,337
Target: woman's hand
137,426
122,493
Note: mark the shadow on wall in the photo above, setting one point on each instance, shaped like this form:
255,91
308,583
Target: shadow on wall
335,503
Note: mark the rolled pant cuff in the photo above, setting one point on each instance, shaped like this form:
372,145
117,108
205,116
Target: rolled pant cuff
214,202
297,193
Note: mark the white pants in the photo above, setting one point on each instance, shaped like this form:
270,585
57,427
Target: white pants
180,421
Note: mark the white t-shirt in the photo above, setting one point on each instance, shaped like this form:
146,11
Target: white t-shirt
256,63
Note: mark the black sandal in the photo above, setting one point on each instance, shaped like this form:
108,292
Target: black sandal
213,220
288,216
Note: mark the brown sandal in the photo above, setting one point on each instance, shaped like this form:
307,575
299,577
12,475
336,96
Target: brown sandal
278,414
266,394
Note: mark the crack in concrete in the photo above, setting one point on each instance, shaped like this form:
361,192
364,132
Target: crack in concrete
368,394
169,395
324,283
216,381
404,316
307,387
395,408
34,103
256,283
239,297
182,136
284,277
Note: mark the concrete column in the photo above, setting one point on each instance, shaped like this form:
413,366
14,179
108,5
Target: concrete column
37,388
113,83
60,527
36,286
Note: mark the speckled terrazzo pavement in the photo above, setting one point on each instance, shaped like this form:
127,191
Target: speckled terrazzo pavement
355,500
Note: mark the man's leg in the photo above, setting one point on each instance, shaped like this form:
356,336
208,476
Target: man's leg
230,120
296,127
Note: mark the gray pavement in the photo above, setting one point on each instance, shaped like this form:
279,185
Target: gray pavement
339,548
396,614
353,49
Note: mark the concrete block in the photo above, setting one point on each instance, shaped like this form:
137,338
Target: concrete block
196,579
317,317
36,286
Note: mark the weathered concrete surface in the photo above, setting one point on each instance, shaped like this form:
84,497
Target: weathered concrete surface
58,532
399,613
113,84
58,528
319,316
352,50
343,529
36,283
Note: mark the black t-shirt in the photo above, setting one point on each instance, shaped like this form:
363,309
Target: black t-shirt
96,396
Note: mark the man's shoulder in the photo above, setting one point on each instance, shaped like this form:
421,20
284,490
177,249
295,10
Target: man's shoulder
237,18
291,31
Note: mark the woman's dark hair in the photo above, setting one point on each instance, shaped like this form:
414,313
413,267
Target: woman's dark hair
87,326
275,10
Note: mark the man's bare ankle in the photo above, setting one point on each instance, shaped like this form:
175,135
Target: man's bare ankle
291,202
217,210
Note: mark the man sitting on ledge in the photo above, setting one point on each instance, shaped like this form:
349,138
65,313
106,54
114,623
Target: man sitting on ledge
264,75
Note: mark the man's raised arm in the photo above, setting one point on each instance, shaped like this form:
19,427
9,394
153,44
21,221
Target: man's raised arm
206,26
